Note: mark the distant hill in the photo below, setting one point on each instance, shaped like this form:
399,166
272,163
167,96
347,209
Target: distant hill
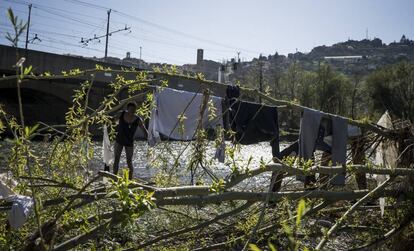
349,57
362,56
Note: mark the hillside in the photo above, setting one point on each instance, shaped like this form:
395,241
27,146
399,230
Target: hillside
350,58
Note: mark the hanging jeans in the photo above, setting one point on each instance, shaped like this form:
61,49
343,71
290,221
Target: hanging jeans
313,133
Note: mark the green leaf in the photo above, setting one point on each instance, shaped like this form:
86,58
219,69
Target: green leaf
253,247
27,70
301,211
287,229
33,129
10,15
272,247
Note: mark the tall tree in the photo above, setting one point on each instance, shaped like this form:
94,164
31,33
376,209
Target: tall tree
392,89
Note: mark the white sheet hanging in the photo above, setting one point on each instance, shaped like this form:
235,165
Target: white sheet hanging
20,211
385,156
170,105
21,205
107,149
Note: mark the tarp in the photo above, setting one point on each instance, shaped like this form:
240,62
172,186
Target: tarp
386,154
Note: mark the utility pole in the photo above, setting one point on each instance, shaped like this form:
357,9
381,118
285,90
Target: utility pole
260,77
140,53
28,26
107,34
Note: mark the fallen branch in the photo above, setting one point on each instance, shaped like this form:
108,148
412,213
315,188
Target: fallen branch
331,170
261,196
364,199
223,245
363,208
190,229
262,213
80,239
387,236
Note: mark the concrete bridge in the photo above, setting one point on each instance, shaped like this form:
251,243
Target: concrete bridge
48,100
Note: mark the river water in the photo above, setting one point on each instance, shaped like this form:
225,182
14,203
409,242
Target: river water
147,161
150,161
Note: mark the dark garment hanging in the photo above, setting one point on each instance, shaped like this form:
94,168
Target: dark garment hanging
125,131
335,127
293,149
233,91
325,129
254,123
308,133
339,140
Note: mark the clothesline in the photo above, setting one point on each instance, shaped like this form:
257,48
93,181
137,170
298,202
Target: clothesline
176,97
283,103
288,104
251,92
171,103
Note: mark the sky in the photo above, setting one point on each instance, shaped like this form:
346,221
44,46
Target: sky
171,31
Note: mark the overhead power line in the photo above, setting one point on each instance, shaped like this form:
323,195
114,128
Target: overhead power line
84,22
53,8
35,30
97,38
46,42
66,16
51,11
86,4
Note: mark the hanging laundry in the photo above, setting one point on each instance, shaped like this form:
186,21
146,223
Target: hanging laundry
21,208
107,149
339,141
354,131
324,139
233,91
171,105
327,135
386,155
308,132
21,205
308,135
177,113
254,123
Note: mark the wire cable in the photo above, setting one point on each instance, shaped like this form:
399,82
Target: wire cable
86,4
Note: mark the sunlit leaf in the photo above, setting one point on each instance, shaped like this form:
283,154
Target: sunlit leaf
253,247
272,247
300,211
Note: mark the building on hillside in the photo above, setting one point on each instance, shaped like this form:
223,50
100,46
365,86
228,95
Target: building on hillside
200,56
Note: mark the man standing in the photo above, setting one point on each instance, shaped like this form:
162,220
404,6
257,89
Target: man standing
128,124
